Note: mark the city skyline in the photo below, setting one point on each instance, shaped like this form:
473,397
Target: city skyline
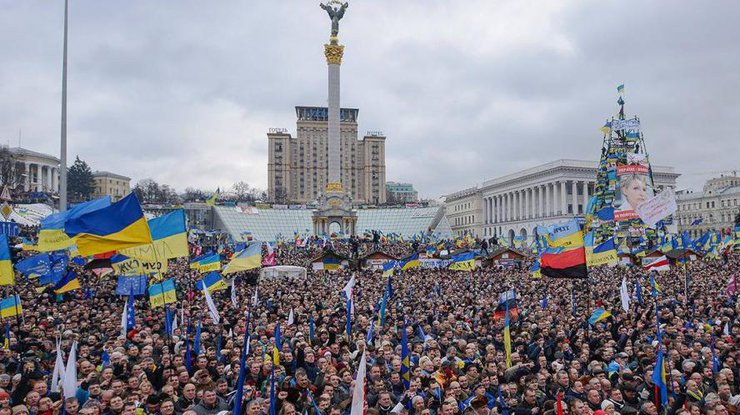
462,96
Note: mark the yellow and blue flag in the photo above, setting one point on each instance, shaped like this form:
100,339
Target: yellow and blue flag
388,268
405,359
598,315
277,347
463,262
654,287
331,263
162,293
118,226
11,306
7,275
213,281
659,373
250,258
68,283
566,235
603,254
52,236
209,263
169,236
535,269
410,262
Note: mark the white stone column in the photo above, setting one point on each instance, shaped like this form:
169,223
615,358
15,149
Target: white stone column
490,209
585,196
504,206
563,197
574,196
518,214
38,177
494,210
489,204
55,180
541,201
547,200
499,208
27,180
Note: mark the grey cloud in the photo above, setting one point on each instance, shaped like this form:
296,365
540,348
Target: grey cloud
184,91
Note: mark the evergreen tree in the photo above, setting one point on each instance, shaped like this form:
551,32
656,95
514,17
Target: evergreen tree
80,182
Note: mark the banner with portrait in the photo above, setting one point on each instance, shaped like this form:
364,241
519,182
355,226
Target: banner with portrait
634,186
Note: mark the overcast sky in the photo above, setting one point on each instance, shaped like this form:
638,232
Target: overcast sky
184,91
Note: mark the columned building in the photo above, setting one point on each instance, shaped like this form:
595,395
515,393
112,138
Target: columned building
34,171
513,205
712,209
464,211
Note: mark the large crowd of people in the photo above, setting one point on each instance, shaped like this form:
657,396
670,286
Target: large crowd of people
457,364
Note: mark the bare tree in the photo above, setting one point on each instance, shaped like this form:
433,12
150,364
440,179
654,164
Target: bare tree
241,190
7,168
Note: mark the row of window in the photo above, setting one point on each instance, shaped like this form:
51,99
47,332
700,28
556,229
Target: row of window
707,205
465,220
462,206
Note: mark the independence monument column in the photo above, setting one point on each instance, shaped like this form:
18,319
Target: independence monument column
335,206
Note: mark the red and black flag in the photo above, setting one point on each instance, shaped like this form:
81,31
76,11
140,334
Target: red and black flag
566,264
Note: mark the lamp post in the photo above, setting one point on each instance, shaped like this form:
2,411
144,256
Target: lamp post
63,150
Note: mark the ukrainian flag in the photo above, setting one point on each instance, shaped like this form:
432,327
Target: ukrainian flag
410,262
598,315
11,306
604,254
68,283
405,359
463,262
118,226
162,293
566,235
250,258
169,233
535,269
210,263
52,236
213,281
7,275
331,263
388,268
507,338
277,347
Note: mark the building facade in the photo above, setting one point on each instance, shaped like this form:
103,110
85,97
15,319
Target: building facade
110,184
297,170
714,208
513,205
400,193
34,171
463,210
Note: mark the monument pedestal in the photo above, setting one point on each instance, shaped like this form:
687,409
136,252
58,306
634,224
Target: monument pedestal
335,206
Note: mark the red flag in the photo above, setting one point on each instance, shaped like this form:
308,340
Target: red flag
559,405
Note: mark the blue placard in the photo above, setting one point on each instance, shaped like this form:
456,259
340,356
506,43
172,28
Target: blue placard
136,284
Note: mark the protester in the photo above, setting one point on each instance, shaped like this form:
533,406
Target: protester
456,349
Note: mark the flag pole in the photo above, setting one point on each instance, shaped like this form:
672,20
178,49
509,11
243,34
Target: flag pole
63,149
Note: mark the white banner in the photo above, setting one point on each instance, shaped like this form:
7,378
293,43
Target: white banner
657,207
633,124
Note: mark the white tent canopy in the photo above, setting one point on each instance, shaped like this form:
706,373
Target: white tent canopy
283,271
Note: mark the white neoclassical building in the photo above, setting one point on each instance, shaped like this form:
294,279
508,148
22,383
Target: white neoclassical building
36,172
543,195
714,208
